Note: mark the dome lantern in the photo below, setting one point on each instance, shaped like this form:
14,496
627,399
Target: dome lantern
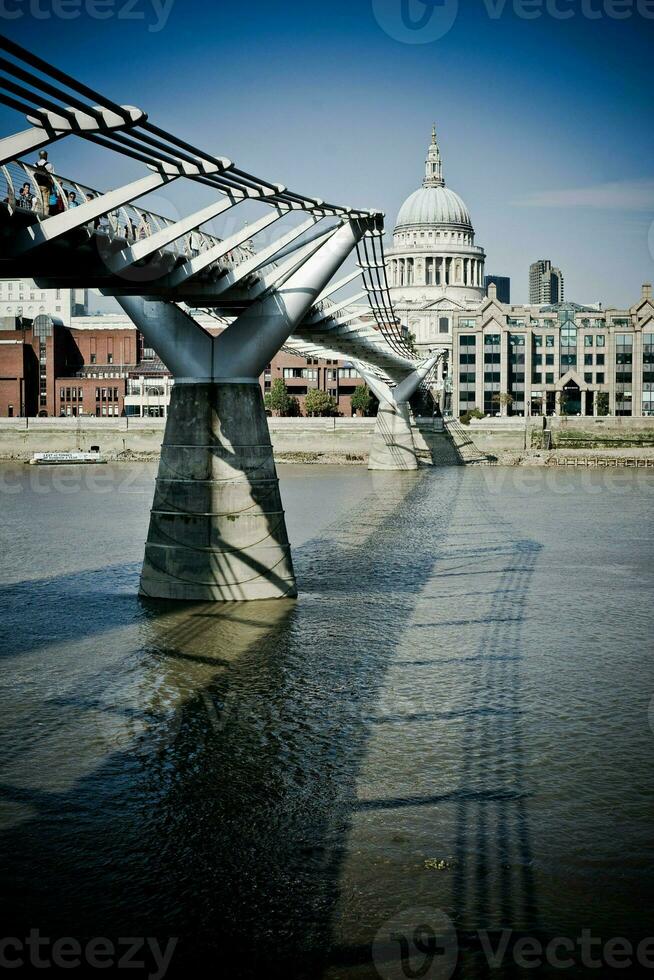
433,164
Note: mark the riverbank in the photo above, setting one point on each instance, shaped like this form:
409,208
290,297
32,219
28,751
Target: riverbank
604,442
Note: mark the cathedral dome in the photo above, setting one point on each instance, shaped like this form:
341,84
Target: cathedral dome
434,206
434,203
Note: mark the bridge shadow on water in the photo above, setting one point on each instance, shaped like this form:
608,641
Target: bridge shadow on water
212,792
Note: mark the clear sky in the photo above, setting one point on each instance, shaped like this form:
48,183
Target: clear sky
543,109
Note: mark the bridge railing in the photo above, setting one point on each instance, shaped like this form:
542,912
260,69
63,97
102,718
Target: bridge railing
126,224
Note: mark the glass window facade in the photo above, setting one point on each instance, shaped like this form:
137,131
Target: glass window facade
623,373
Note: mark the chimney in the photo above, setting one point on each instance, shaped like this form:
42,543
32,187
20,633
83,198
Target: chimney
647,290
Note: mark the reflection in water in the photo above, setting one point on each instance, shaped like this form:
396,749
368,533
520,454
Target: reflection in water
271,782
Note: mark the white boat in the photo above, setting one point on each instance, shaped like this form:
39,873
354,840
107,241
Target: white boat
54,459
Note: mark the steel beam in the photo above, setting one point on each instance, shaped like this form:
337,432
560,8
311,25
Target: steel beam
50,126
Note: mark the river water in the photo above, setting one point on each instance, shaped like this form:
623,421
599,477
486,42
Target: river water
448,732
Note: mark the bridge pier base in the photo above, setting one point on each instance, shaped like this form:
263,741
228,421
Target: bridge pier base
392,442
217,530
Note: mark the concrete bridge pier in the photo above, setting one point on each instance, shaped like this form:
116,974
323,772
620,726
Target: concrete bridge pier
392,442
217,529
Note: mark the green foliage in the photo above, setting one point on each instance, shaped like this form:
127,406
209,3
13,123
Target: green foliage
318,402
361,399
472,413
279,400
503,398
602,402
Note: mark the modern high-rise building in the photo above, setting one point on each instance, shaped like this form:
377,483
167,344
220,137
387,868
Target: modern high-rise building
545,282
502,285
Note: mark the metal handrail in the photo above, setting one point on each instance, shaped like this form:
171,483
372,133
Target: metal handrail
124,223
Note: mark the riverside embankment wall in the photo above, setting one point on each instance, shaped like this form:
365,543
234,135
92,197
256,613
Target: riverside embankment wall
332,438
573,432
20,438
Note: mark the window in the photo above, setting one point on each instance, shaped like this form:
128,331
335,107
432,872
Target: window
599,358
537,340
549,378
588,340
94,358
492,340
443,324
588,358
600,340
467,341
110,358
549,341
588,377
599,378
467,324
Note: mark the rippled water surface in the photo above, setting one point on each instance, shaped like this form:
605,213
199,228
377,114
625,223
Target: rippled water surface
452,720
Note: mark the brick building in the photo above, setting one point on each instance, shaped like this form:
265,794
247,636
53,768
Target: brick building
302,374
100,354
98,365
19,368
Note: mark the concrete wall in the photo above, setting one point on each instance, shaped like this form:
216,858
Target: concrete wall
491,435
19,438
343,437
587,433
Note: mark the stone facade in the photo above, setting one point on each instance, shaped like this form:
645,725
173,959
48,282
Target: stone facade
435,270
554,360
22,297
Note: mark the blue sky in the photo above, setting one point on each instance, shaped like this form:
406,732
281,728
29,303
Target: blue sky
544,120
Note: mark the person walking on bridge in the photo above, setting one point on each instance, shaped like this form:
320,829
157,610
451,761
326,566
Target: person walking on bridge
25,198
43,171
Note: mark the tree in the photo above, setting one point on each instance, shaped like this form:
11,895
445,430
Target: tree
318,402
361,399
472,413
503,398
278,400
564,397
602,402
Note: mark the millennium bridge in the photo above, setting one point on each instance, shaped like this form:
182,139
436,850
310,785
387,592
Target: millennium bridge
217,528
